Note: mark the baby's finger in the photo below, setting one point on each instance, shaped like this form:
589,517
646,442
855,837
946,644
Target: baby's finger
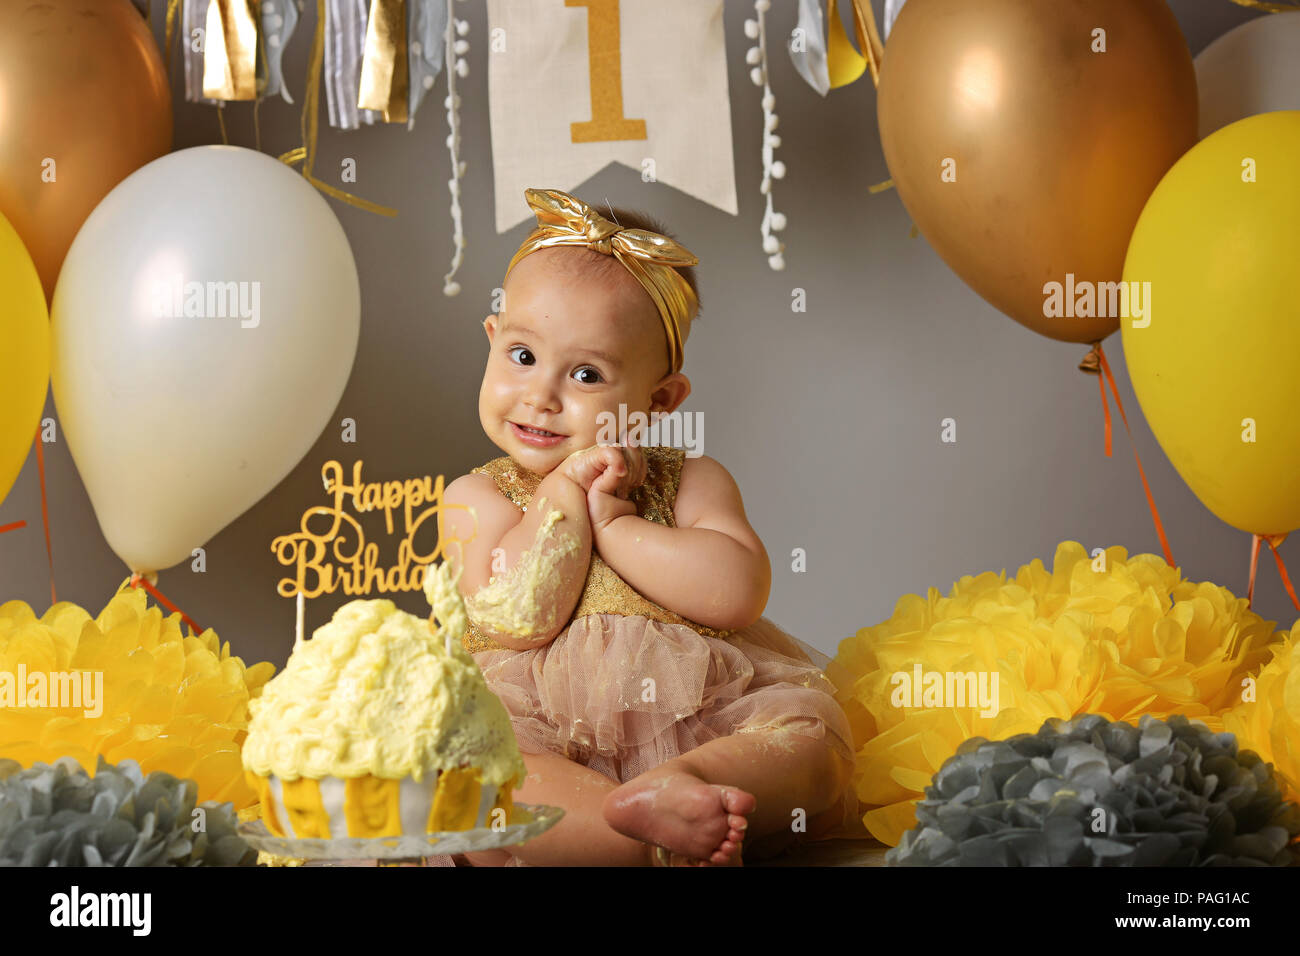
581,467
615,458
606,482
637,466
634,465
583,474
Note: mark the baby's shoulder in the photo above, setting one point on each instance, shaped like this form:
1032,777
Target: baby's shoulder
474,514
477,489
702,468
705,487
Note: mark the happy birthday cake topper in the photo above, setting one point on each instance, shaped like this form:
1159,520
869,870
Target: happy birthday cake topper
325,561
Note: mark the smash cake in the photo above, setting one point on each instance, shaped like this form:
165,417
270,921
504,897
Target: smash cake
380,726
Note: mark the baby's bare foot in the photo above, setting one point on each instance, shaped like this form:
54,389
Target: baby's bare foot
682,813
661,857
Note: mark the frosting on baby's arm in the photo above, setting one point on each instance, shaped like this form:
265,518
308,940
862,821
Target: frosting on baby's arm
523,603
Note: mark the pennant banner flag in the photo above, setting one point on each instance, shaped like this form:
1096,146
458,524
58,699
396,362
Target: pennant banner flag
574,85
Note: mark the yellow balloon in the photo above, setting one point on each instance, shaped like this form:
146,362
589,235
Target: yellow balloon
24,354
1214,359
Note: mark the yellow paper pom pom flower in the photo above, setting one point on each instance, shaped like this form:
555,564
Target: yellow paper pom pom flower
1108,635
1267,721
125,685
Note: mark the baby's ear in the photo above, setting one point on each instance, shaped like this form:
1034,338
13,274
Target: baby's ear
670,392
490,326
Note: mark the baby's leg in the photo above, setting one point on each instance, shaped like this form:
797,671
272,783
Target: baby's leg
744,786
582,837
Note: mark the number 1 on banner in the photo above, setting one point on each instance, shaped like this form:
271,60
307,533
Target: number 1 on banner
605,69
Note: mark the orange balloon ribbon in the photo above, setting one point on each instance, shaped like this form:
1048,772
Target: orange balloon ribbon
1096,364
1273,541
137,580
12,526
45,513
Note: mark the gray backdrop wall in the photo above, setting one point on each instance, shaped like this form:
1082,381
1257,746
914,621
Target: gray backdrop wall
829,419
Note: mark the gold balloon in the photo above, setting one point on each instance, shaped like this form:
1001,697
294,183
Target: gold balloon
84,102
1024,137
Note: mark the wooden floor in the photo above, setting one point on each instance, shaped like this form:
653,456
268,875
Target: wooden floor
826,853
832,853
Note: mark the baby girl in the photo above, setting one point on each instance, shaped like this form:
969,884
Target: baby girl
615,592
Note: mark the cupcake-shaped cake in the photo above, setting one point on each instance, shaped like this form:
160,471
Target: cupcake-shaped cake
381,726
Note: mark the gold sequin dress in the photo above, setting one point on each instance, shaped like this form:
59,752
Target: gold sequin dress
629,685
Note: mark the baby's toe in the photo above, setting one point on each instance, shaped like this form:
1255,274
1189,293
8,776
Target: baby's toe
738,802
737,827
725,851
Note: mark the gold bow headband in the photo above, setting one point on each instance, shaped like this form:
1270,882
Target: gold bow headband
564,220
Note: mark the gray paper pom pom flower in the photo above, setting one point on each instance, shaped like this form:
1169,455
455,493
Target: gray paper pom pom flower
1089,792
61,816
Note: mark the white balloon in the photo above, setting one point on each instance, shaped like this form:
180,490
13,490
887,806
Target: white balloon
1253,68
179,420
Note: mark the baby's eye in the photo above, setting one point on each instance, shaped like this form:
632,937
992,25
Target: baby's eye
593,375
530,360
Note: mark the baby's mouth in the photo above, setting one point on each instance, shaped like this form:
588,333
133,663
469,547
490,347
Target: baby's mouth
538,431
534,435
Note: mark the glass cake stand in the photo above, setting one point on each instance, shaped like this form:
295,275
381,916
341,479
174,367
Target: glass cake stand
531,821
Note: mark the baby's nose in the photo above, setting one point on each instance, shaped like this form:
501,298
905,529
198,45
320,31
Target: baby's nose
541,393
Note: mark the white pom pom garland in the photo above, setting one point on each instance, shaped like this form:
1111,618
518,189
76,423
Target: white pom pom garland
772,169
457,66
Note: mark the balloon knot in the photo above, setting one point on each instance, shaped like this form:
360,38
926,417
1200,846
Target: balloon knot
1092,361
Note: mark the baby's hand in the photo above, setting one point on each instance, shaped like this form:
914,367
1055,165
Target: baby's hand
607,498
617,468
602,508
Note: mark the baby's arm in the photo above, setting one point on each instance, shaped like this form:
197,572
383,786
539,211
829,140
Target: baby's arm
712,568
539,579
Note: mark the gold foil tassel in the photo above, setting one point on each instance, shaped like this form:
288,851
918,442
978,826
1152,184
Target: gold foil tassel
230,54
864,25
169,25
306,153
384,76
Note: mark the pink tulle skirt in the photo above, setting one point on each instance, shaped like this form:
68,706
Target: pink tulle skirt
623,694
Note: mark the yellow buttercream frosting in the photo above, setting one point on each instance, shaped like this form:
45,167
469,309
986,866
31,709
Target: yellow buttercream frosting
520,603
378,691
446,603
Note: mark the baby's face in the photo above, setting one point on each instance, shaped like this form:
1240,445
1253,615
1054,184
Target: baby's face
564,349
